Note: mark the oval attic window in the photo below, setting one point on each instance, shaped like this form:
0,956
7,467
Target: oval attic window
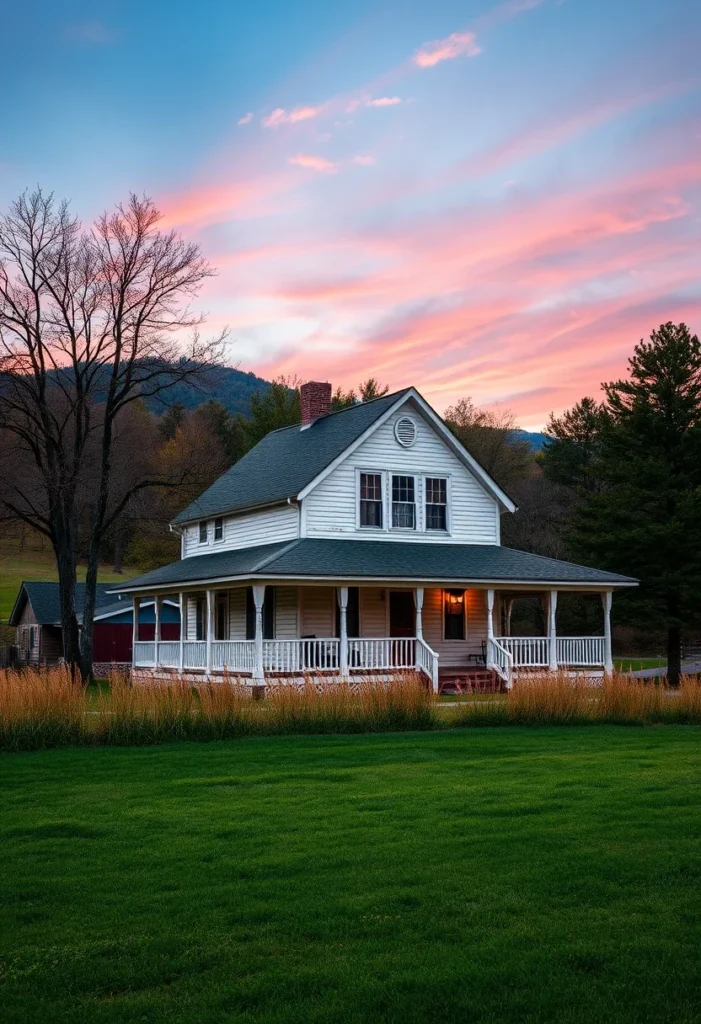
405,431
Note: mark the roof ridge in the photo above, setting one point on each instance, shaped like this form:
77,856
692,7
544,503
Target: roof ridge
337,412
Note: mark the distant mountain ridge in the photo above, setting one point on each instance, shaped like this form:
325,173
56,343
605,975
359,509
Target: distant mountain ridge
234,389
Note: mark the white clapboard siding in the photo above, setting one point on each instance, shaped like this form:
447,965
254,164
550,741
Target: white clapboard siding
237,613
454,652
246,531
331,507
286,613
317,611
373,612
192,615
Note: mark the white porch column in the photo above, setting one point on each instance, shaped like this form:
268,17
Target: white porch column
134,626
183,631
210,629
258,599
606,599
157,626
552,630
490,615
419,602
343,609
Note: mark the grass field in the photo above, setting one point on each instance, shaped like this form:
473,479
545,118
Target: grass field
32,564
634,664
490,875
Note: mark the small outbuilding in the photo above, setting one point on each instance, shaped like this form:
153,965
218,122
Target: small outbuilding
36,616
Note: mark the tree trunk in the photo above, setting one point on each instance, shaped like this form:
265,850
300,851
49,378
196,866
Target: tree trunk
69,619
674,655
118,549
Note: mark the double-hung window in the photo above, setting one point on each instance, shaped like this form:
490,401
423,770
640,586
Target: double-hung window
403,503
436,503
371,500
218,529
203,531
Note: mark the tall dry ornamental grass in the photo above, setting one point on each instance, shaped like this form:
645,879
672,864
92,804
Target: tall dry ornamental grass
40,709
560,699
45,709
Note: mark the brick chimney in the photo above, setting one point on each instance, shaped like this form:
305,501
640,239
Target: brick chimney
315,401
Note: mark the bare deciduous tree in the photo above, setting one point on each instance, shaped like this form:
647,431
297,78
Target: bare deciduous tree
90,322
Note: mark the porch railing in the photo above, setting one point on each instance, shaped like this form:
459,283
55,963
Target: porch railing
195,654
427,662
580,650
169,653
145,653
383,652
233,655
527,651
499,659
311,655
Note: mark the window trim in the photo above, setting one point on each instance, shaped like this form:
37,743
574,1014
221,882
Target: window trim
382,474
426,528
444,591
220,521
416,528
200,524
420,476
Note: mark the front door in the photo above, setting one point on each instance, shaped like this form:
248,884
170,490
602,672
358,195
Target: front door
402,615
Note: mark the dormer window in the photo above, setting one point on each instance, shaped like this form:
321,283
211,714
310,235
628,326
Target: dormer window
219,529
403,503
436,503
203,531
371,500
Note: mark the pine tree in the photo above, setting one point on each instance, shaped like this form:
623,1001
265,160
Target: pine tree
645,518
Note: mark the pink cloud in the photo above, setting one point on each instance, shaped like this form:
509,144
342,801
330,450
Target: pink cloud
385,101
279,116
456,45
364,160
246,119
313,163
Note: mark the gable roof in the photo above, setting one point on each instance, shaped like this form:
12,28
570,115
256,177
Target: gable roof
46,603
287,463
45,600
377,560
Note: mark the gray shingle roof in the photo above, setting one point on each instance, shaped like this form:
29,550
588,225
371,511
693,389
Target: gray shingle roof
285,461
362,559
46,604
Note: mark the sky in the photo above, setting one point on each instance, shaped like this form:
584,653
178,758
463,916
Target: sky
486,200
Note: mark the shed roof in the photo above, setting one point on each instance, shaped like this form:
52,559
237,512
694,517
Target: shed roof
366,559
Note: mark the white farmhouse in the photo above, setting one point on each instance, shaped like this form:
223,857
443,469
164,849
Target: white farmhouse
361,543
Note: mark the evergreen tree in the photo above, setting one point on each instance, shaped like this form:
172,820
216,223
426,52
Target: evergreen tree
571,453
644,519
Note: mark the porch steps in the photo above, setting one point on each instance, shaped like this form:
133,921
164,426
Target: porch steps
468,680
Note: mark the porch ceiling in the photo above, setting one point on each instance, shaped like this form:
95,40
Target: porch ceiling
372,560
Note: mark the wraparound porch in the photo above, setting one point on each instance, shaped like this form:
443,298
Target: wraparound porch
229,631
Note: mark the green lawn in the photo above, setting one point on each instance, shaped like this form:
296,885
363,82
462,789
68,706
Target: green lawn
32,564
633,664
500,875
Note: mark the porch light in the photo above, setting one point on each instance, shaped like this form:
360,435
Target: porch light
456,599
